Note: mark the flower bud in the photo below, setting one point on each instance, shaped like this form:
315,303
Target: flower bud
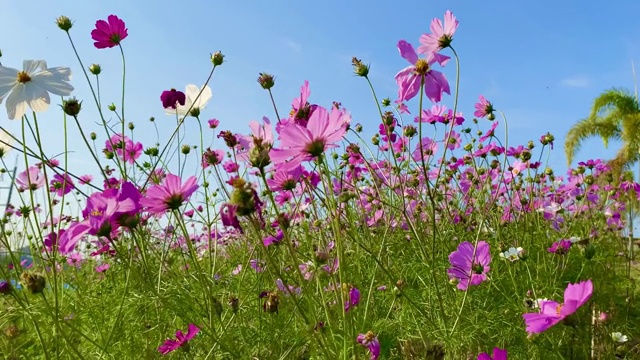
267,81
386,102
93,136
358,128
95,69
186,149
131,126
112,107
72,107
359,68
64,23
217,58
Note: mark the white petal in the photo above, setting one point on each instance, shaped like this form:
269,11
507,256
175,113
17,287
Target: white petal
31,66
52,82
37,97
16,103
204,98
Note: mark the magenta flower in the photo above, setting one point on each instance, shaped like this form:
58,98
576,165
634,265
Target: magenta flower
498,354
61,184
172,97
170,195
409,79
108,34
560,247
552,313
353,300
30,179
181,339
307,143
484,108
106,211
370,341
441,36
470,265
213,123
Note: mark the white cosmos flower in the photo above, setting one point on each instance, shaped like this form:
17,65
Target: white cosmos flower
618,337
31,86
5,143
191,93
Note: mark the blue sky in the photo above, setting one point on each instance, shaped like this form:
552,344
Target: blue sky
540,62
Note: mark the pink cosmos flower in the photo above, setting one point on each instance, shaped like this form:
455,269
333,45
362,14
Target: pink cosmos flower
551,312
560,247
441,36
498,354
108,34
181,339
285,179
483,108
213,123
469,265
61,184
102,268
30,179
370,341
409,78
307,143
170,195
132,151
86,179
353,300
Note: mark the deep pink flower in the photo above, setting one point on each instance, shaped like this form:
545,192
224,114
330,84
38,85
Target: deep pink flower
170,195
468,265
106,211
229,217
498,354
552,312
307,143
61,184
370,341
172,97
213,123
181,339
353,300
409,78
441,36
108,34
560,247
30,179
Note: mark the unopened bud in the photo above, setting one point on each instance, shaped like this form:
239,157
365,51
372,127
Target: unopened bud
217,58
267,81
95,69
64,23
71,107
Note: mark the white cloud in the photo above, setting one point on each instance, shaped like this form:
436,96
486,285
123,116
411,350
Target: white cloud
576,81
294,46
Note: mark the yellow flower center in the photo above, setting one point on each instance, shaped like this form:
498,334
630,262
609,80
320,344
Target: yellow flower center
559,308
23,77
422,67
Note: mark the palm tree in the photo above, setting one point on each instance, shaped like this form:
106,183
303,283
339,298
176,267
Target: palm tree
615,114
